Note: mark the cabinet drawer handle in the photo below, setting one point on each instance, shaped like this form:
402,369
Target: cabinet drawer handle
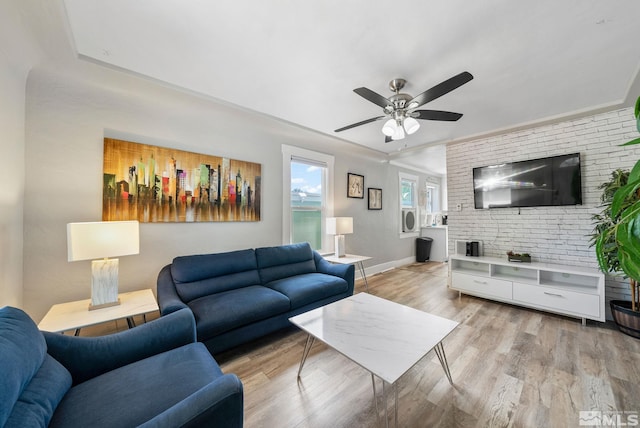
553,294
480,282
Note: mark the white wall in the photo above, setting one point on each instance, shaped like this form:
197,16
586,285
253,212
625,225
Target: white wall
12,84
71,107
18,53
549,234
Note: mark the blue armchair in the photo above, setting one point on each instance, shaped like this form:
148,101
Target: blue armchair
155,375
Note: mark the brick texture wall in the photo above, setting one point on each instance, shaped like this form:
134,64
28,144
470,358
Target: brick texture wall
549,234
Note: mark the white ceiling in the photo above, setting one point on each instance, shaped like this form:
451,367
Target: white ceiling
299,61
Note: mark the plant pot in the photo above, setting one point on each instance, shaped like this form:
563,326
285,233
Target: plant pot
628,321
520,259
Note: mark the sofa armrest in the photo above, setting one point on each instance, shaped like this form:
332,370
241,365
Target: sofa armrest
168,299
346,272
218,404
87,357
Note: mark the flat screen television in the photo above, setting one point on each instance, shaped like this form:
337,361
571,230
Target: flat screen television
548,181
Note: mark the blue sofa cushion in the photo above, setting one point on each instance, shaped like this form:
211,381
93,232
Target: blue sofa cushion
22,352
226,311
202,275
40,398
284,261
311,287
136,393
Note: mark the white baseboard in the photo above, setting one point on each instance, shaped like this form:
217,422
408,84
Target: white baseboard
382,267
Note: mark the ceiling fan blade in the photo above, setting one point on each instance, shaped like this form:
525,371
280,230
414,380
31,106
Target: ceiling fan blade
374,97
364,122
447,116
441,89
387,139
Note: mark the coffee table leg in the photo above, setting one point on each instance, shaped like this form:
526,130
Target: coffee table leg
305,353
375,398
385,398
443,360
386,404
395,410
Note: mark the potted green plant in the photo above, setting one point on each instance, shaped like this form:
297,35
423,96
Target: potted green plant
517,257
616,237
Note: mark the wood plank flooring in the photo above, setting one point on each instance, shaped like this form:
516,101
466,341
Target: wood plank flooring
512,367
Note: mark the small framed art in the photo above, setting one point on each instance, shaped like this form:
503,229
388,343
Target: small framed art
375,198
355,186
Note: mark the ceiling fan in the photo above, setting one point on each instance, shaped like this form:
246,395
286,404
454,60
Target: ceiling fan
400,109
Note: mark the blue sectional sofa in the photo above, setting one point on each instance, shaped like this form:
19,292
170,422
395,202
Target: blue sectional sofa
242,295
154,375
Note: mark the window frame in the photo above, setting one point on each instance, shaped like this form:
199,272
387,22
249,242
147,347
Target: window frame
299,155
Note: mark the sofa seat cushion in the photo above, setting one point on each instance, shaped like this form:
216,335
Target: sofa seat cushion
222,312
135,393
311,287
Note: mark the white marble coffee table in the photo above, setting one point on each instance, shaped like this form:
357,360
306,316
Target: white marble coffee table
383,337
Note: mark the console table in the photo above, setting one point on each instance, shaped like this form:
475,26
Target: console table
568,290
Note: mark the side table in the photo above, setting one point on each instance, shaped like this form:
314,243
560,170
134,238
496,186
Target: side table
76,315
351,259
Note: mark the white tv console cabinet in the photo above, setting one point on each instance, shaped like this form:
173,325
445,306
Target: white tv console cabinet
567,290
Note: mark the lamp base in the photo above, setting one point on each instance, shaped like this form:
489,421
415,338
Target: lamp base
104,283
339,246
104,305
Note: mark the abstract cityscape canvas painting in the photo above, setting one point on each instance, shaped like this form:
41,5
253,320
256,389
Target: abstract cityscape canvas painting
154,184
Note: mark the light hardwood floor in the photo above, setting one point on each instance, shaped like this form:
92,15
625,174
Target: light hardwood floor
511,367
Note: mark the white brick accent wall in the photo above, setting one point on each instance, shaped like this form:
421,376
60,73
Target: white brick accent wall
549,234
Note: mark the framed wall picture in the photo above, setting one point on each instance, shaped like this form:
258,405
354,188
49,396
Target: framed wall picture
355,186
375,198
155,184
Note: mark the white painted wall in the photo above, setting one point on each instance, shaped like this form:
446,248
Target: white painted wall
12,84
18,53
549,234
71,108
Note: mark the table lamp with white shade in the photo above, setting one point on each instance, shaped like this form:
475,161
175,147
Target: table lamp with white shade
101,240
339,226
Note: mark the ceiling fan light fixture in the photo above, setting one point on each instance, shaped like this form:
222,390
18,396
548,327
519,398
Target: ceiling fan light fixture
399,134
411,125
389,128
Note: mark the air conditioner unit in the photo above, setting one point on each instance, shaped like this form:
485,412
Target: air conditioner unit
409,220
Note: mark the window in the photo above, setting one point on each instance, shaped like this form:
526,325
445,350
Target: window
432,198
429,199
308,190
407,192
408,207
